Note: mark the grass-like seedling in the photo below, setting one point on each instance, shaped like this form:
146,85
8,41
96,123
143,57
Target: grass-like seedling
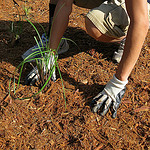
16,26
46,64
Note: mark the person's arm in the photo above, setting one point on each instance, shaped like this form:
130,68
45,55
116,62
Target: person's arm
139,24
60,22
114,90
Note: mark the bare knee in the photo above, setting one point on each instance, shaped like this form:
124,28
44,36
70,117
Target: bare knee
94,32
91,29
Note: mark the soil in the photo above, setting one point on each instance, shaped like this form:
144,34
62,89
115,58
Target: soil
43,121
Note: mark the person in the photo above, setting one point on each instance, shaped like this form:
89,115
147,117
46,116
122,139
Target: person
109,21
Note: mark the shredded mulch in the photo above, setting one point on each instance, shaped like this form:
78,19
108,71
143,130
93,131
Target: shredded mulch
48,121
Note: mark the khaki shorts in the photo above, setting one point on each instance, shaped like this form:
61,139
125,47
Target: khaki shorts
110,18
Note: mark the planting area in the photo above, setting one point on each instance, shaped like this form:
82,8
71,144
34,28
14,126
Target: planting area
43,121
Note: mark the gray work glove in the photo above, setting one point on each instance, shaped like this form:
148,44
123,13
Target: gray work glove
110,97
33,76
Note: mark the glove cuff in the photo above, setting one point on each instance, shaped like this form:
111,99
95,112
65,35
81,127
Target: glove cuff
114,86
117,81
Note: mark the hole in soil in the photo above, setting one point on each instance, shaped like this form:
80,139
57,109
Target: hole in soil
73,140
82,120
62,125
7,143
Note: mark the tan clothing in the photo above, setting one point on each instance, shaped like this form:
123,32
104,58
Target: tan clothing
110,17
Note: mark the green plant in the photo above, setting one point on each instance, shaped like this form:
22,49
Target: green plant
26,10
16,26
42,58
16,29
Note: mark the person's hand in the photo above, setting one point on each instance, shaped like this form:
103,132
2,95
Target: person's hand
110,97
33,76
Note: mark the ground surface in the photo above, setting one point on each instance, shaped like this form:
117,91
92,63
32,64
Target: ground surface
42,122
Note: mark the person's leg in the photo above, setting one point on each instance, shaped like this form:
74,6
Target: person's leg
62,18
108,23
94,32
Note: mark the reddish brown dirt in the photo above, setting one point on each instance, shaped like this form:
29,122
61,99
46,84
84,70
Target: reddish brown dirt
42,122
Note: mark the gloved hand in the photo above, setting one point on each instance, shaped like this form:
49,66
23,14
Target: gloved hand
33,76
110,97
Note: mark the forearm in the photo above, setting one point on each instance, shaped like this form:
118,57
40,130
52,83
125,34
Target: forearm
60,23
134,40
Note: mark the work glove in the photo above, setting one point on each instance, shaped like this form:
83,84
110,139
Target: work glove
33,76
110,97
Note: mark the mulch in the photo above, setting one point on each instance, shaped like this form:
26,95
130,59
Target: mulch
48,121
